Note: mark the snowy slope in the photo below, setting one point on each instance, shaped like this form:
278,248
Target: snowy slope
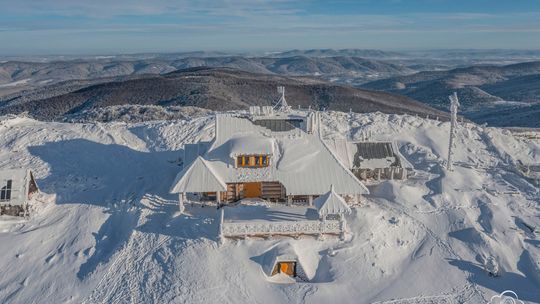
105,229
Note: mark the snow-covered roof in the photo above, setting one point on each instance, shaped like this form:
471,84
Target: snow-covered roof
343,150
331,203
229,125
22,182
250,144
198,177
308,167
373,155
370,155
279,124
301,161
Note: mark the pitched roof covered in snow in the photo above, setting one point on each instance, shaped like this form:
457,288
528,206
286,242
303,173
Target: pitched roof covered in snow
331,203
300,161
198,177
19,182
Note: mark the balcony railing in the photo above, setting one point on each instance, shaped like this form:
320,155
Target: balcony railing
292,228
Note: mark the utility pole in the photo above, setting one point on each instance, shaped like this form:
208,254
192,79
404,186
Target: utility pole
454,104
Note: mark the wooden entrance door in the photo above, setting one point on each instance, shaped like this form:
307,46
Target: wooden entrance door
252,190
287,268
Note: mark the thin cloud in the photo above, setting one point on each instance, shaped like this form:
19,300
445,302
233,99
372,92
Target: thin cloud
243,22
107,8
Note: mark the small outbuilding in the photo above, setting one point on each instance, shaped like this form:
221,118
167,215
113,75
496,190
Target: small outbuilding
16,188
283,259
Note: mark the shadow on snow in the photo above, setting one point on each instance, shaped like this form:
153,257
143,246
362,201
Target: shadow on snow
130,184
516,282
86,172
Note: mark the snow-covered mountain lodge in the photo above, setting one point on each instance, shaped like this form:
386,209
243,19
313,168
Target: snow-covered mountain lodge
277,156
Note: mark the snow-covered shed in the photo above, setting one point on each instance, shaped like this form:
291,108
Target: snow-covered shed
276,164
16,189
282,259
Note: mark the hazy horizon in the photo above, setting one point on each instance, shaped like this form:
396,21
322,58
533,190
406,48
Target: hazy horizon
257,52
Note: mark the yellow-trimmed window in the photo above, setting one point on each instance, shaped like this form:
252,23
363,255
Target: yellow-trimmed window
253,161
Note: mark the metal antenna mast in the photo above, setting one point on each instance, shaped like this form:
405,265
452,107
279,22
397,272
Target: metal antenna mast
454,104
282,103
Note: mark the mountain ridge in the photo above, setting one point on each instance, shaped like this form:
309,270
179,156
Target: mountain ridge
506,88
218,89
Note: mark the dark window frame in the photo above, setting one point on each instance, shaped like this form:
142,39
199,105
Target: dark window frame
6,190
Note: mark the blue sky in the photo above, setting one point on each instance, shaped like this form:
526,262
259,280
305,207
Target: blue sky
129,26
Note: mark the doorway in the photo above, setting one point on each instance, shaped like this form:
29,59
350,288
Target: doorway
252,190
288,268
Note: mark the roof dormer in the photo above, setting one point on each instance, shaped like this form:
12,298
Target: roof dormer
251,151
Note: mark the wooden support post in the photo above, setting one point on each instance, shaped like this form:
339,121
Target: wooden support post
378,174
289,199
310,200
342,228
181,202
392,169
218,199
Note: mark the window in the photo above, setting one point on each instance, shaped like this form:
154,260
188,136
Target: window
253,161
5,191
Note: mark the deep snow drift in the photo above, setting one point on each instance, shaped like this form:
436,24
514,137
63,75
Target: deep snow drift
105,229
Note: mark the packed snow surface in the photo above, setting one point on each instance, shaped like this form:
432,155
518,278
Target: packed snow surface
106,230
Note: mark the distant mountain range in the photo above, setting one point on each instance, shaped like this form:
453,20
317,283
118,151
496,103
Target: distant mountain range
508,115
214,89
16,76
490,89
483,90
365,53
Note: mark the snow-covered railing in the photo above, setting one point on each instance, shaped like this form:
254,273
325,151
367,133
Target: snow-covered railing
245,228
